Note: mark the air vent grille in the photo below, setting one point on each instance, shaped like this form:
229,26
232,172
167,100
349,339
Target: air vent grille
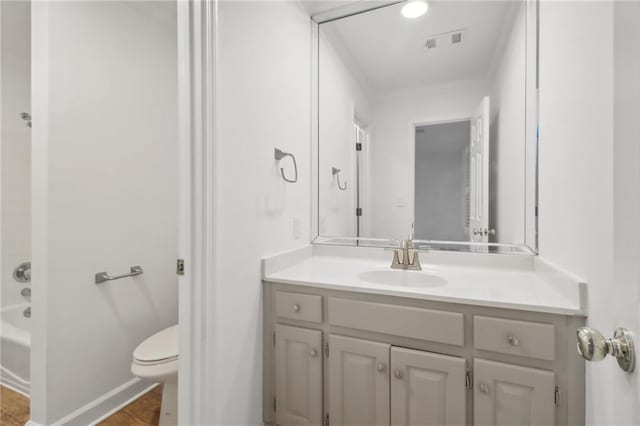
445,40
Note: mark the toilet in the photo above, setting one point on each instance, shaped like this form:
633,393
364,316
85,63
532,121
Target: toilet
156,359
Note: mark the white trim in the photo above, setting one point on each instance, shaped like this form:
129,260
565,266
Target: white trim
413,124
315,157
39,206
107,404
196,56
127,402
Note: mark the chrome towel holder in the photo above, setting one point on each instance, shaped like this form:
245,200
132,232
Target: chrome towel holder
336,172
104,276
279,155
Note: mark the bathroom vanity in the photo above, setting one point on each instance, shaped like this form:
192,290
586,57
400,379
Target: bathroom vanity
349,341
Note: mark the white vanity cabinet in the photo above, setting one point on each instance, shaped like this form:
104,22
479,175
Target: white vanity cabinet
427,389
347,358
298,383
358,382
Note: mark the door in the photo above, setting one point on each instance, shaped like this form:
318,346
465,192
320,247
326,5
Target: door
479,174
105,194
427,389
510,395
358,382
298,376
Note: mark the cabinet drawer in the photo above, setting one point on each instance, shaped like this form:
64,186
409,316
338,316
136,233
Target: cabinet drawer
521,338
304,307
405,321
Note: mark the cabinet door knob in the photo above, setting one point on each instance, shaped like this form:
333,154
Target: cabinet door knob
313,353
484,388
398,373
296,307
380,367
513,341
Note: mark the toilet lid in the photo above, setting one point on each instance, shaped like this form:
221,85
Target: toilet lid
162,346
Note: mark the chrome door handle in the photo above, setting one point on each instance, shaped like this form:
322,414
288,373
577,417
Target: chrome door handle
104,276
593,346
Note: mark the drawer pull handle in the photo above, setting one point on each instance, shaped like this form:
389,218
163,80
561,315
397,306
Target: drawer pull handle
398,374
380,367
313,353
484,388
513,341
296,308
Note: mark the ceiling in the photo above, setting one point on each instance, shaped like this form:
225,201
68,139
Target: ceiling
388,50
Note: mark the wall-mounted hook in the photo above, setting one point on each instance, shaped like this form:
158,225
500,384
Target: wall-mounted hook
26,117
336,172
279,155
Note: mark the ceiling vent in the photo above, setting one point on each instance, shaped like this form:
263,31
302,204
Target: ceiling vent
456,37
444,40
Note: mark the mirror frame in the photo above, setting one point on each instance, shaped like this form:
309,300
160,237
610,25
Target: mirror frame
530,244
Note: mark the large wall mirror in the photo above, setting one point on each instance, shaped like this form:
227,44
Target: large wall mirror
427,125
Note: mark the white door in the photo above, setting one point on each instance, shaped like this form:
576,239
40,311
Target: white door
105,194
479,174
298,376
427,389
358,382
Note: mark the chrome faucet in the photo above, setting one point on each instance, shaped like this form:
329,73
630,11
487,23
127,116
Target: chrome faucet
406,257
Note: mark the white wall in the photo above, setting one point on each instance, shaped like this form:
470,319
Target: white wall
104,195
263,101
342,97
507,138
15,149
589,181
392,133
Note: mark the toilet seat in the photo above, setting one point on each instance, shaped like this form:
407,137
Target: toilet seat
161,348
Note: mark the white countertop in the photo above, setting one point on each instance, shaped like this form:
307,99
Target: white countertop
537,287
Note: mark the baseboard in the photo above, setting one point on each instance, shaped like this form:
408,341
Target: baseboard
104,406
32,423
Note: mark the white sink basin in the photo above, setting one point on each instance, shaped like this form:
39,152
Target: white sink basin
402,278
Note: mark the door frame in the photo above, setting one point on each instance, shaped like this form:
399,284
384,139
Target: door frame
197,24
413,125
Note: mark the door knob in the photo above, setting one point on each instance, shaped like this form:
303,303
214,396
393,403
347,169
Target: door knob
313,353
296,307
484,388
593,346
513,341
380,367
398,373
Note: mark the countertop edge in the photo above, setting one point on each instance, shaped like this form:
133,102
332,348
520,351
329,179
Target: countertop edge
574,312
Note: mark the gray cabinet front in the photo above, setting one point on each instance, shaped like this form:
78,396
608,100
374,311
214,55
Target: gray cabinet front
510,395
358,382
427,389
298,376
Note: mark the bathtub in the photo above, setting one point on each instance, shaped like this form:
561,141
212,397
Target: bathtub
15,344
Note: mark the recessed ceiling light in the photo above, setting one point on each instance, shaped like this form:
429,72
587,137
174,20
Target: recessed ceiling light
415,9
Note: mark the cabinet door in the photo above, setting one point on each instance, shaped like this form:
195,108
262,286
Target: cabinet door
510,395
298,376
427,389
358,382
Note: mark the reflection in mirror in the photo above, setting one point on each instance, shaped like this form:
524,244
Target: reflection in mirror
429,123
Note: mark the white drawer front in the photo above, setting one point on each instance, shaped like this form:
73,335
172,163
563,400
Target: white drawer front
304,307
521,338
397,320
